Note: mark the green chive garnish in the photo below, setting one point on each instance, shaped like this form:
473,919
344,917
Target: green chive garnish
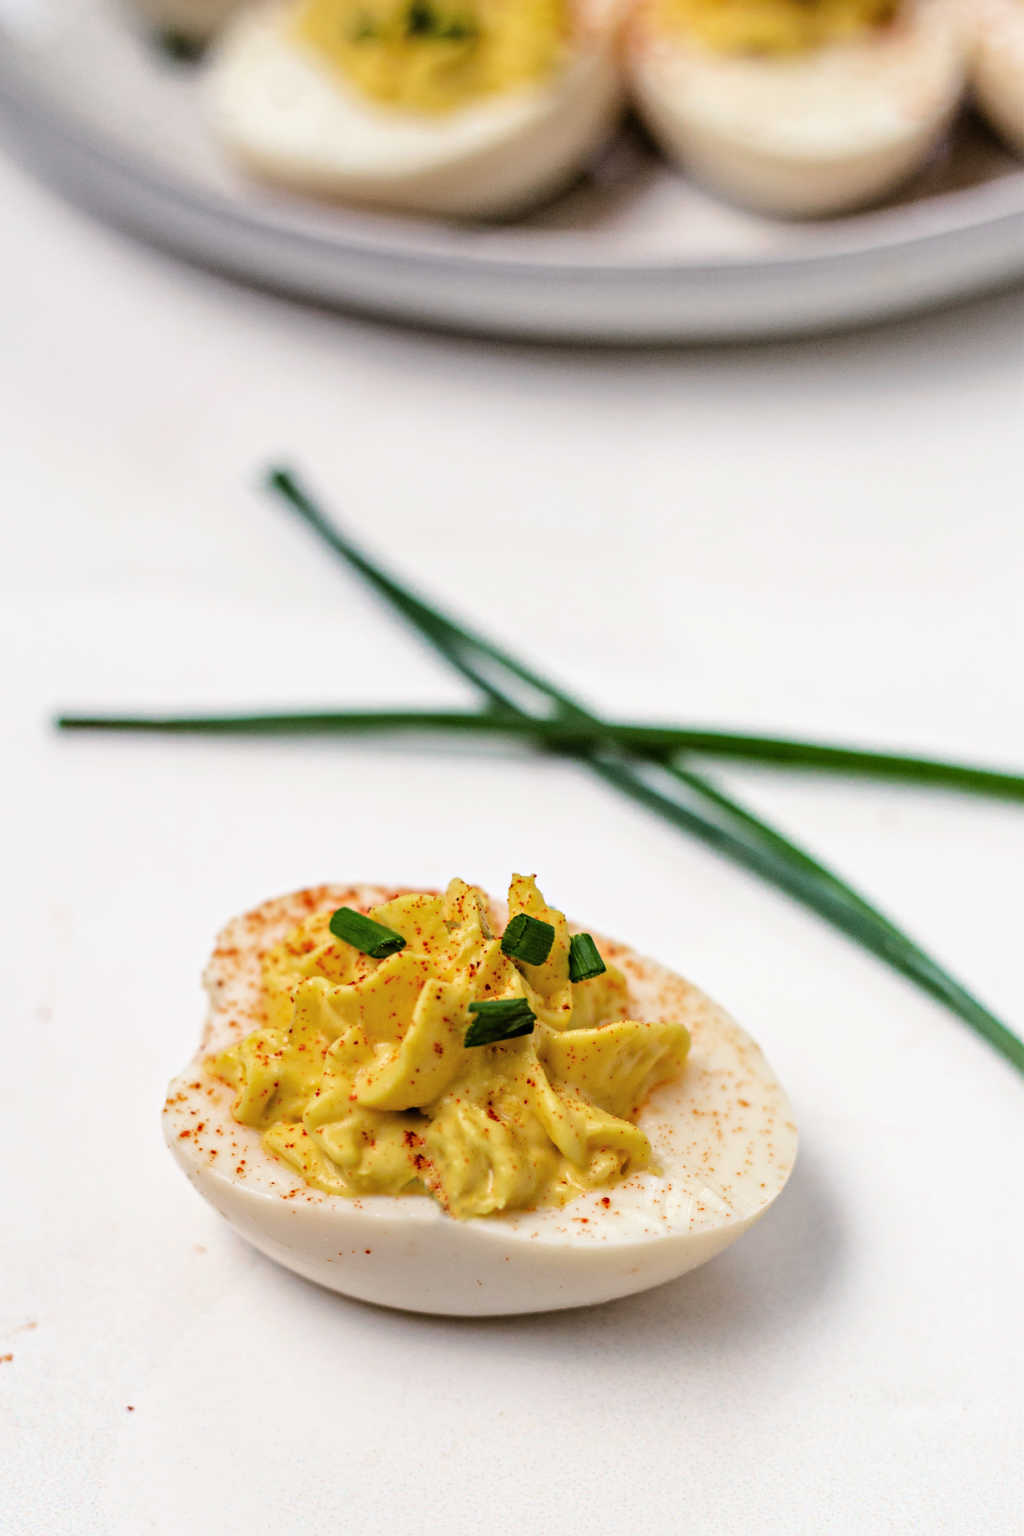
528,939
364,934
584,958
505,1018
423,20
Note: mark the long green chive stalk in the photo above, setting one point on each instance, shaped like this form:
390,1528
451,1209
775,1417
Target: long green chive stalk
452,640
741,836
654,741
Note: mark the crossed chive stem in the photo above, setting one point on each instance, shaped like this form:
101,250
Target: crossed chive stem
560,734
629,757
737,833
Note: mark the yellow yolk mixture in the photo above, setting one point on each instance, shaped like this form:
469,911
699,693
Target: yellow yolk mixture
361,1079
771,26
435,56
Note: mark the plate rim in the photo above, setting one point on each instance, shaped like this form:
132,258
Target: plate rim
949,214
541,285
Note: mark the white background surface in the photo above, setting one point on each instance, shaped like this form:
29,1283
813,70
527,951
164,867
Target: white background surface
822,537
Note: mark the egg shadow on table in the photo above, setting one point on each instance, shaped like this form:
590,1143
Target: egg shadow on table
773,1277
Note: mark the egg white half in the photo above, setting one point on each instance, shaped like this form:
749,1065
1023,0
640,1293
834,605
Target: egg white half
293,119
809,133
998,70
723,1136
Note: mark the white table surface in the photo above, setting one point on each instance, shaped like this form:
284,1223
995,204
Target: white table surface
825,537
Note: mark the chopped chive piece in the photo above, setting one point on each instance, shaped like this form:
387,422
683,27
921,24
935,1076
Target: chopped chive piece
364,934
422,19
180,46
503,1019
528,939
584,958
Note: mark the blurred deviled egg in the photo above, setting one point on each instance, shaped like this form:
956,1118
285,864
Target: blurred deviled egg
444,1103
798,107
454,107
998,74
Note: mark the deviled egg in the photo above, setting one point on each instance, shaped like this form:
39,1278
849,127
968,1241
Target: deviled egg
998,71
798,107
445,1104
452,107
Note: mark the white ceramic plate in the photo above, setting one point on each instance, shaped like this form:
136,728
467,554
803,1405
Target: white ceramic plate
633,253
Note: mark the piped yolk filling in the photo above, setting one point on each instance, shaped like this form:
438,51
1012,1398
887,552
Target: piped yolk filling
435,56
361,1081
772,26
